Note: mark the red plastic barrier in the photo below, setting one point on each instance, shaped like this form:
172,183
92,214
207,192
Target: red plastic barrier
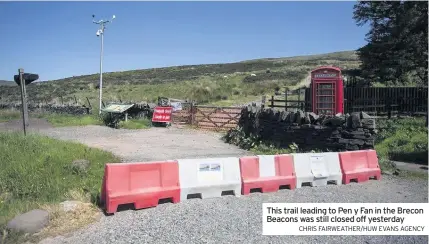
251,175
143,184
359,165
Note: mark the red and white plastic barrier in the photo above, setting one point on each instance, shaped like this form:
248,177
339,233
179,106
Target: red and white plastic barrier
144,184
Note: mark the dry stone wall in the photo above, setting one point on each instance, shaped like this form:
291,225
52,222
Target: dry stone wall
50,108
309,131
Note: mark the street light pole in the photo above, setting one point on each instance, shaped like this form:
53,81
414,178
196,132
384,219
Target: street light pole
100,33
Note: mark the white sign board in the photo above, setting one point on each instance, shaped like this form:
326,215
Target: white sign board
177,106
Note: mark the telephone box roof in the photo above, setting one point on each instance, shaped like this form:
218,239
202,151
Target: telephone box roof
326,67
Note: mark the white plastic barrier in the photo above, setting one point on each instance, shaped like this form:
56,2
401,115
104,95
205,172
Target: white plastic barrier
209,177
317,168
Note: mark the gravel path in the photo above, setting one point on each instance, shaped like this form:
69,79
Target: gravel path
151,144
239,220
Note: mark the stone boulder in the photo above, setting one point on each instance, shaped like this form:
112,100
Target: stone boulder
80,166
353,121
30,222
313,117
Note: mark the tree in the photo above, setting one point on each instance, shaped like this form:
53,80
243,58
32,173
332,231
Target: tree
397,41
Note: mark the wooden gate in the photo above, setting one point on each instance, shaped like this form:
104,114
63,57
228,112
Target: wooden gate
216,118
183,116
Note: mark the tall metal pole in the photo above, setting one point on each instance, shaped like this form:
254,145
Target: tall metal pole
101,68
100,32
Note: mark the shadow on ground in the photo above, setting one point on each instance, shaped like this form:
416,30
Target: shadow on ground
420,158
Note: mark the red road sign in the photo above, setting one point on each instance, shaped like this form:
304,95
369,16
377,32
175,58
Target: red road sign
162,114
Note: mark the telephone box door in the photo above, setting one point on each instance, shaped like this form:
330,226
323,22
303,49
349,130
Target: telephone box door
325,98
327,90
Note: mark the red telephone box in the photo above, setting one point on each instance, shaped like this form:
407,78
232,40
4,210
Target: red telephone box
327,90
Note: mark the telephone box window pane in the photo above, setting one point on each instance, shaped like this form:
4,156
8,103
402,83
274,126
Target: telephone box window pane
325,99
325,105
325,92
325,86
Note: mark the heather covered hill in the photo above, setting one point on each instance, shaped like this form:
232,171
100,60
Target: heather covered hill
207,83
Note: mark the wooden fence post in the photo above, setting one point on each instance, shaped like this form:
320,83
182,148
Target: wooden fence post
426,119
286,98
89,103
192,113
263,101
389,109
272,101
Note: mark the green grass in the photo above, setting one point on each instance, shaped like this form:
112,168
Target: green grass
57,120
37,170
61,120
235,100
135,124
6,115
402,139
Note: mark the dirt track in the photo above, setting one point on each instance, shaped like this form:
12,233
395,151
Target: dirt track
33,125
150,144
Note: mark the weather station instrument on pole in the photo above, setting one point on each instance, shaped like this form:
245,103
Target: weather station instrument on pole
100,33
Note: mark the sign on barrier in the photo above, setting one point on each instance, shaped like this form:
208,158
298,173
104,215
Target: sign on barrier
210,172
209,177
317,169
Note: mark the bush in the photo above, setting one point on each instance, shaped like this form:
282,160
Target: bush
403,139
238,137
111,120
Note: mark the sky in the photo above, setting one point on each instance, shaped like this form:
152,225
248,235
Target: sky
58,39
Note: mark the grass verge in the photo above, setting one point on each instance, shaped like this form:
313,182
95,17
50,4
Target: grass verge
37,171
6,115
61,120
57,120
135,124
402,139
